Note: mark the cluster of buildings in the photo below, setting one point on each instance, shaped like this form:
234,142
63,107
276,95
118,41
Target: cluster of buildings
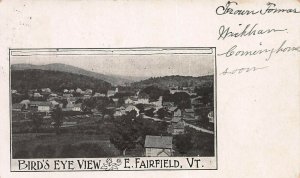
44,101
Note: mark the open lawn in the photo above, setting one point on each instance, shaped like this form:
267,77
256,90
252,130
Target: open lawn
31,145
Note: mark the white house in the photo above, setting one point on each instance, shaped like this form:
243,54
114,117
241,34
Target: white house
26,103
156,146
78,90
88,92
130,100
48,90
40,106
77,107
112,92
142,99
37,95
53,95
120,111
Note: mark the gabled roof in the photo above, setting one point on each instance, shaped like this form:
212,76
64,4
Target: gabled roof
130,108
158,141
173,108
25,102
131,98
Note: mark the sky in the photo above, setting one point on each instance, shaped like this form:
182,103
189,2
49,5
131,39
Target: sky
154,65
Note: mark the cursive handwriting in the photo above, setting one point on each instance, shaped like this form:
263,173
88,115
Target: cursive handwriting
248,30
242,70
269,51
270,9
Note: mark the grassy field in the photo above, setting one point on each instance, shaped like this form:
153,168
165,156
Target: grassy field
43,145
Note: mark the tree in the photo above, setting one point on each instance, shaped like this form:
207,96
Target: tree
57,118
140,107
44,151
123,134
132,114
64,102
161,113
149,112
183,143
182,100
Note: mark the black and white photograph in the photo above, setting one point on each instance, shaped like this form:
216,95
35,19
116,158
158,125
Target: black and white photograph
113,103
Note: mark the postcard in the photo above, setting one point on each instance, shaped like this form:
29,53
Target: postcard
150,88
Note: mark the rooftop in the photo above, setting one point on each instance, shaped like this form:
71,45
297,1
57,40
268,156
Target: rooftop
158,141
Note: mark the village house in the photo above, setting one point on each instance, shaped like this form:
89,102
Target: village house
71,100
157,103
168,104
143,98
176,119
78,90
47,90
189,114
86,96
54,103
130,100
115,100
175,111
53,95
178,128
112,92
72,107
120,111
37,95
197,102
156,146
88,92
26,103
40,106
77,107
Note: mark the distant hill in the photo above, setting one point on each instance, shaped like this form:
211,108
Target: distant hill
113,79
176,80
55,80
